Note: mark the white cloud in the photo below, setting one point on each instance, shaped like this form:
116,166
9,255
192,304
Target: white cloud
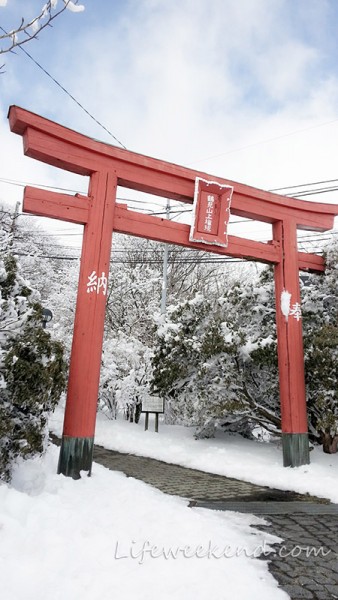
197,79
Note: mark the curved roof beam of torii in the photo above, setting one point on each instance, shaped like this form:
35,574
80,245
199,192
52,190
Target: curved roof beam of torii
61,147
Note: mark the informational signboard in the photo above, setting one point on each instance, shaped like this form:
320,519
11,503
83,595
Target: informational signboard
211,212
153,404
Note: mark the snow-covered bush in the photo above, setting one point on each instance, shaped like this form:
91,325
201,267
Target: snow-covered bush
215,360
46,269
320,325
212,354
31,368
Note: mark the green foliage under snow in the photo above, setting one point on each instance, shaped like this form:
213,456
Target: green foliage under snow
32,369
215,361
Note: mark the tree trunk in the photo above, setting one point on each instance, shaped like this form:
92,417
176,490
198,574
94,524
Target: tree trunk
138,409
330,443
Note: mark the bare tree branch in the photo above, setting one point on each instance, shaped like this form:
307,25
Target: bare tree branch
29,30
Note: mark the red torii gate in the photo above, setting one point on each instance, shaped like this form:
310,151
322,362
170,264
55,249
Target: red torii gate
109,166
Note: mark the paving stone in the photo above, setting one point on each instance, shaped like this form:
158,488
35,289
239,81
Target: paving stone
297,592
313,587
333,589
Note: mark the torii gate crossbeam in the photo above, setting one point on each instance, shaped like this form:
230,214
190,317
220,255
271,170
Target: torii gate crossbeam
108,167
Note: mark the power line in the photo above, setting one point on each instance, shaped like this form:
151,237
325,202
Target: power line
66,233
183,210
47,235
18,183
172,252
139,261
137,201
68,93
278,137
291,187
315,192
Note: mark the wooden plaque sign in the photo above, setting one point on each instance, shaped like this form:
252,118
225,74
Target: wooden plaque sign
211,212
153,404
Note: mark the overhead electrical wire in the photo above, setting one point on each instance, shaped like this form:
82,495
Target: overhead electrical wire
312,237
44,70
158,252
291,187
88,113
315,192
138,201
68,93
18,183
268,140
140,261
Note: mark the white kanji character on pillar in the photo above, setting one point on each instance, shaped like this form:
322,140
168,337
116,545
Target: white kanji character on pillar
92,282
296,311
102,284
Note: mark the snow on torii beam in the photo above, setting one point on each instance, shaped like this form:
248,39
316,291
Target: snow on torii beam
108,167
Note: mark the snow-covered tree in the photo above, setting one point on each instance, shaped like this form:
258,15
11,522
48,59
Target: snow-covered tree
134,293
133,307
61,299
125,376
215,361
32,368
320,325
212,355
46,269
135,282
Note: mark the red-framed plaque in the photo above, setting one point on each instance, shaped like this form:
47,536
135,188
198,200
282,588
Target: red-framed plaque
211,212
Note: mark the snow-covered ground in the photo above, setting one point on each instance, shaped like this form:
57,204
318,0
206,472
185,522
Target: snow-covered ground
229,455
109,536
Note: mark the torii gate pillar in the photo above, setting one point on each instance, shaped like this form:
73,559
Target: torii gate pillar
290,347
107,167
84,373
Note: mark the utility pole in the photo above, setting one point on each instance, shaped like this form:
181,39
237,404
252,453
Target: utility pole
14,224
165,267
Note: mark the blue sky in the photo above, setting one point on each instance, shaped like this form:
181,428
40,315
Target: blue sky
245,89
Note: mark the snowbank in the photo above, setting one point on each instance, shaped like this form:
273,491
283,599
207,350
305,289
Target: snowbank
95,539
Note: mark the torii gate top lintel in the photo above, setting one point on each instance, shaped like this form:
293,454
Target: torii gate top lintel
62,147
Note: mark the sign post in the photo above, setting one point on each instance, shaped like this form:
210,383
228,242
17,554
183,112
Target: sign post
152,404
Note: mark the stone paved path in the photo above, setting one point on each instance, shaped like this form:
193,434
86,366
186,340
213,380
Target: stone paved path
300,575
173,479
307,525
